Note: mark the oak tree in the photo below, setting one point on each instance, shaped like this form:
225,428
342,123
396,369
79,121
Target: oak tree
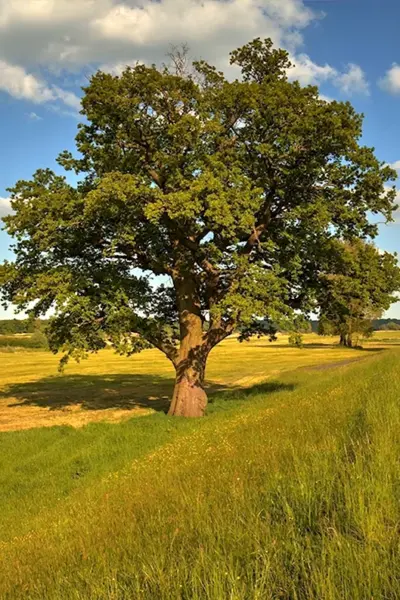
203,204
361,284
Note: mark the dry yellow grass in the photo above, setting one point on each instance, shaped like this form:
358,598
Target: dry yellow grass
109,387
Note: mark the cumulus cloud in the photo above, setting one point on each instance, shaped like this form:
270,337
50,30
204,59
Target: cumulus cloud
5,207
72,33
116,68
65,36
307,72
168,19
353,81
22,85
395,165
391,80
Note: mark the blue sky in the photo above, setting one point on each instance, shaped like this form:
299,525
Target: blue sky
48,48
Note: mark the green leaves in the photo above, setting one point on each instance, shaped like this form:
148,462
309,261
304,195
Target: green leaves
359,284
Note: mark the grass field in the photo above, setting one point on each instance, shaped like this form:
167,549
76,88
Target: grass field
288,489
109,387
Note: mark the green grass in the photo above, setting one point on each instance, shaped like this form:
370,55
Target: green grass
289,490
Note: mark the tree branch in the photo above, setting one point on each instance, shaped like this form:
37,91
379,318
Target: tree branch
254,238
218,331
165,346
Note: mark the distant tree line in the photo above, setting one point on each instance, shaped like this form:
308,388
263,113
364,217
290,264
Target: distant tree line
377,325
14,326
387,325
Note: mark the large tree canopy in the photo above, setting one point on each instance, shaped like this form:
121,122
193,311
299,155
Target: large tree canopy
203,204
361,284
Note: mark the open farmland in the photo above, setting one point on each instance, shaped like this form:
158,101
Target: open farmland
110,387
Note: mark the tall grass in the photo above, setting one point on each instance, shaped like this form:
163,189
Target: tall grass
292,494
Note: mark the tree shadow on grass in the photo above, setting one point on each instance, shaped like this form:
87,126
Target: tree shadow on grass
93,392
365,349
115,391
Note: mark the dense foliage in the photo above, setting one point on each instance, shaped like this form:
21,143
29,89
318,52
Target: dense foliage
229,192
360,286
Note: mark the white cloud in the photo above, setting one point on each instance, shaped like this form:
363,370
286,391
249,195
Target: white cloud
326,98
168,20
64,36
307,72
391,80
353,81
44,11
68,98
5,207
34,117
116,68
15,81
18,83
72,33
395,165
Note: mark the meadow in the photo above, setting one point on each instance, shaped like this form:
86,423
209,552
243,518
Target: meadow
287,489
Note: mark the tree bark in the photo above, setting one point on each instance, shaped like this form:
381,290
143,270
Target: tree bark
346,340
189,397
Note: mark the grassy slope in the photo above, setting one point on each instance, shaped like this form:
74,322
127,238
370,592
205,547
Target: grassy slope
286,493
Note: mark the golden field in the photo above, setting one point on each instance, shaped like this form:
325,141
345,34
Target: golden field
109,387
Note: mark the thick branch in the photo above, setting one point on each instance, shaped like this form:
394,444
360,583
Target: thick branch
165,346
218,332
194,246
144,261
254,238
157,178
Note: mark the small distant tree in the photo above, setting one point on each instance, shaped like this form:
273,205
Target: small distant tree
361,285
295,339
299,325
203,205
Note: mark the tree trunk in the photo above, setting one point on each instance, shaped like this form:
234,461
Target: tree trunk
346,340
189,398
